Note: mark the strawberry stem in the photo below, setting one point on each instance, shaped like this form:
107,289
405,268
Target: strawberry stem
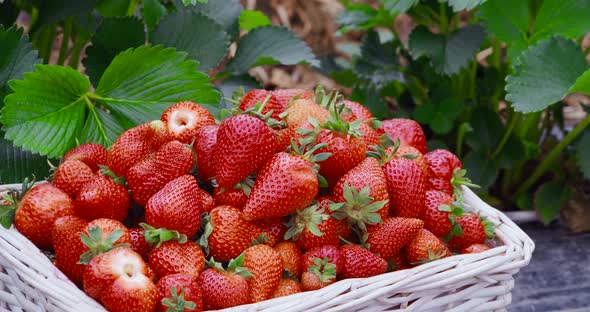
155,236
13,198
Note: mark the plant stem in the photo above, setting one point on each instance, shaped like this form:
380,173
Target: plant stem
444,20
464,128
63,51
511,123
132,5
553,155
77,49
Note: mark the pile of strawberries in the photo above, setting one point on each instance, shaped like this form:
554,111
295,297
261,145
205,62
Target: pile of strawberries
292,192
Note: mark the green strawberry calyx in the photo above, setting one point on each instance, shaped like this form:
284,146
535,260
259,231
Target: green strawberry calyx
207,229
105,171
176,303
382,154
309,153
455,209
155,236
489,226
308,218
459,179
323,269
256,111
97,244
235,267
12,199
432,255
359,207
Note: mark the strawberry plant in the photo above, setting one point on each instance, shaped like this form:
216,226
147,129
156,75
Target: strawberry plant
486,79
119,64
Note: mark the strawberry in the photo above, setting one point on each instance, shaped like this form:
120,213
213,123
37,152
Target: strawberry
407,131
184,119
285,96
266,266
299,111
176,206
411,153
147,177
136,144
398,262
34,211
174,257
138,242
369,135
359,262
343,229
361,195
68,247
474,231
319,275
258,96
291,255
475,248
71,175
100,236
119,280
357,112
235,196
102,198
312,227
244,143
329,252
205,140
441,165
287,287
284,138
285,183
426,247
179,292
224,288
227,234
274,229
406,184
388,238
92,154
439,207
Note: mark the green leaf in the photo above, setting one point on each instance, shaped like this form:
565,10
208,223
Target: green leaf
487,129
509,23
550,197
17,58
545,73
270,45
356,17
399,6
583,154
582,84
180,30
377,63
568,18
482,170
56,10
447,54
112,8
439,116
152,11
18,164
44,116
251,19
513,152
112,37
141,83
460,5
224,12
370,98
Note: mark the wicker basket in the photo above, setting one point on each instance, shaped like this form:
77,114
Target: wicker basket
473,282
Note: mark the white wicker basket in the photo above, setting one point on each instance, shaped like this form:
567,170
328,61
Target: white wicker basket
473,282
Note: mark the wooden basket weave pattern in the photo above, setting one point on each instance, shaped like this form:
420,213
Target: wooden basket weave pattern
473,282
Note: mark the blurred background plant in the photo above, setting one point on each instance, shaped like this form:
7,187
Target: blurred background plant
498,83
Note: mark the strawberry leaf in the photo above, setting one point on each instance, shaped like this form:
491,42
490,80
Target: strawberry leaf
152,11
250,19
549,199
224,12
583,154
460,5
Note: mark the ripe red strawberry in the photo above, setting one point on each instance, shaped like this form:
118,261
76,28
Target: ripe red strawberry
150,175
244,143
441,165
229,234
119,280
176,206
361,195
406,185
138,242
474,231
35,214
266,266
411,153
426,247
436,220
179,292
284,138
184,119
224,288
259,96
71,175
102,198
285,183
329,252
135,145
274,229
370,135
100,236
343,229
359,262
205,140
398,262
388,238
235,196
284,96
68,247
319,275
300,110
92,154
173,257
475,248
207,201
357,112
287,287
291,255
407,131
312,227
